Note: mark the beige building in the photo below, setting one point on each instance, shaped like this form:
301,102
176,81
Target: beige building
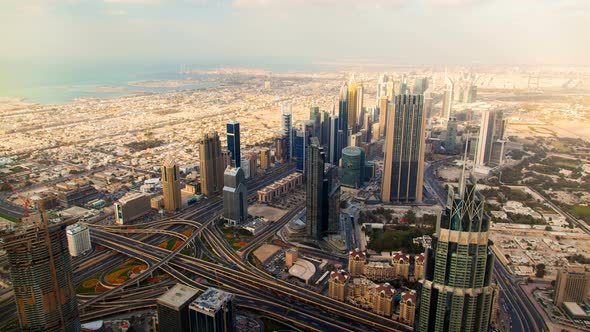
407,307
419,267
78,237
280,187
382,299
356,262
211,163
171,186
379,271
291,256
338,285
383,106
131,207
264,158
401,265
572,285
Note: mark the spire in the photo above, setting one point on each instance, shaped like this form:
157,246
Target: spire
465,157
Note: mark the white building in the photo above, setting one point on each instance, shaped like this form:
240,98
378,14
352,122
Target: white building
78,237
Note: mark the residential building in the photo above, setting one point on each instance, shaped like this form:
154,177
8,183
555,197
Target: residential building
287,129
211,164
265,158
490,144
337,286
171,186
572,285
407,307
356,261
401,265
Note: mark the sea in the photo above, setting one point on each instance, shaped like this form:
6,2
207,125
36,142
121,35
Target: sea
64,82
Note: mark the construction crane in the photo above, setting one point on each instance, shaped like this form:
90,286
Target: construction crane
26,200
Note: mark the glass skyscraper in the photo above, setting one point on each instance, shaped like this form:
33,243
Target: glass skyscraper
457,293
233,142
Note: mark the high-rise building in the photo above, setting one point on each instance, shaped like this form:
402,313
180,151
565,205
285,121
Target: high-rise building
281,149
265,158
225,159
407,307
383,110
337,285
235,196
490,144
78,236
343,114
331,198
428,102
316,121
356,262
420,85
233,143
403,167
359,106
211,164
447,105
132,206
572,285
472,94
171,186
287,128
252,160
352,100
314,190
42,277
213,311
352,167
173,313
334,139
451,138
301,144
325,130
456,293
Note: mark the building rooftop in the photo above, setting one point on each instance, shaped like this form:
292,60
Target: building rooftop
76,228
131,196
177,296
211,301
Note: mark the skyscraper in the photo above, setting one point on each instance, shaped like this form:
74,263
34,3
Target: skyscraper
450,140
490,145
42,278
211,163
213,311
334,139
173,306
343,114
314,190
233,143
353,167
171,185
287,128
299,147
420,85
315,119
235,196
572,285
352,104
448,96
403,167
331,198
265,158
456,293
383,109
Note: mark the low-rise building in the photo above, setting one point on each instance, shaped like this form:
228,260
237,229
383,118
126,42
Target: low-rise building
131,207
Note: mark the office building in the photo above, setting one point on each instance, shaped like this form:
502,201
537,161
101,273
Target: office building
331,198
235,196
299,150
383,109
325,129
265,158
572,285
314,190
135,205
447,105
211,164
75,194
420,85
334,139
456,293
403,167
42,276
253,161
171,186
490,144
287,129
246,167
353,104
213,311
225,159
428,103
315,120
78,236
352,167
343,114
173,312
233,143
450,142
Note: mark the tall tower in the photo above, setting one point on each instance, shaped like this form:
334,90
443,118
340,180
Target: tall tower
490,145
343,114
334,140
42,278
383,109
211,163
352,104
314,190
457,292
451,139
448,96
287,128
235,195
403,168
233,143
171,186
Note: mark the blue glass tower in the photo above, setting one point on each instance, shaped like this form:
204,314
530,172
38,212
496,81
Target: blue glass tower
233,142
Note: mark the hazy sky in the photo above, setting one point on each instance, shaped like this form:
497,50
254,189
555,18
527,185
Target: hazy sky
392,31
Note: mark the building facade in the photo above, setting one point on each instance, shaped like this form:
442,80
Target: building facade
403,167
352,167
211,164
314,190
490,144
78,236
456,293
233,143
173,313
356,262
171,186
212,311
133,206
572,285
235,196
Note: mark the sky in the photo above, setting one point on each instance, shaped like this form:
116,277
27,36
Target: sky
467,32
